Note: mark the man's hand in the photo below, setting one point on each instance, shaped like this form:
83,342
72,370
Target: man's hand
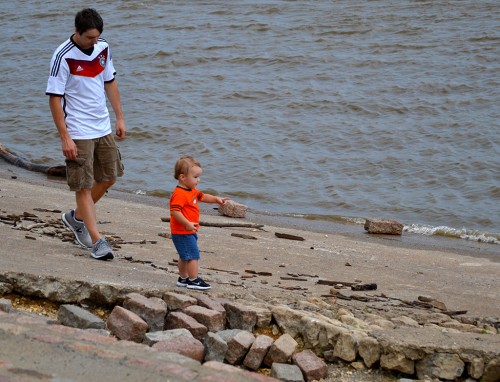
121,130
69,149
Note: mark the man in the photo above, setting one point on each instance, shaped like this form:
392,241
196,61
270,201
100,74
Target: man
81,76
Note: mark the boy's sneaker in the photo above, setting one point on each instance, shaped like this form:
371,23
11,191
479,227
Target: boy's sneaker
197,283
101,250
182,282
78,228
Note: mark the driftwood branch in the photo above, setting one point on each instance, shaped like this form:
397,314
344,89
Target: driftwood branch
333,283
238,225
6,155
243,236
288,236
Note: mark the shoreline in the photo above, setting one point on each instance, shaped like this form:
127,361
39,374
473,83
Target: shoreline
353,230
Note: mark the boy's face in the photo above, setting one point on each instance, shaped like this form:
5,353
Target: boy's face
192,178
87,39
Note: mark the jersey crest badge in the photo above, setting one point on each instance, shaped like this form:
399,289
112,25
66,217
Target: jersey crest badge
102,61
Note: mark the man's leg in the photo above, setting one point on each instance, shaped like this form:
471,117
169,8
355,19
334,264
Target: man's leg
85,211
100,188
85,206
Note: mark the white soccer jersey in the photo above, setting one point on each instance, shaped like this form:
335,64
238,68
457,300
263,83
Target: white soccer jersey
79,78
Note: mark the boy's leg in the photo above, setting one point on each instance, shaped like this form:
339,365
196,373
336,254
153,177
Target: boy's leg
182,266
192,269
182,281
188,268
189,254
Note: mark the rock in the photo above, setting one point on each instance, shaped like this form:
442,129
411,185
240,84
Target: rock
320,332
369,350
346,347
258,351
6,305
311,365
215,347
153,337
233,209
228,334
152,310
397,362
76,317
126,325
281,350
440,365
187,346
238,346
5,288
386,227
287,373
209,303
492,371
176,301
177,320
354,322
240,316
288,319
475,368
240,374
405,321
212,319
264,317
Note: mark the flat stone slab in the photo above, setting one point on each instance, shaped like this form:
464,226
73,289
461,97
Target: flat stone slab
428,339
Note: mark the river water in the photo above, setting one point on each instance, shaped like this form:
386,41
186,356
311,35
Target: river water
330,110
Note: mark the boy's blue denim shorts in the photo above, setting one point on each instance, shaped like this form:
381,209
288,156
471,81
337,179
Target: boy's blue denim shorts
187,246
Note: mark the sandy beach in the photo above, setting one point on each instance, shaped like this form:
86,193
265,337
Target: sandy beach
241,263
464,276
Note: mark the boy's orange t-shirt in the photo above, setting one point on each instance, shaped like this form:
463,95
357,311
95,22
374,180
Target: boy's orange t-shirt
185,201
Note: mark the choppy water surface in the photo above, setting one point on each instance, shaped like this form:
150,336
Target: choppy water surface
324,108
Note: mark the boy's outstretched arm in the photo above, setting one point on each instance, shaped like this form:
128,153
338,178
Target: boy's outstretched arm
207,198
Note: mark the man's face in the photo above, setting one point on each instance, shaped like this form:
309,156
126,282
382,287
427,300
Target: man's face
87,39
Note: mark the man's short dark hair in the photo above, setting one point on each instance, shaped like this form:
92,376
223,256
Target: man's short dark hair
87,19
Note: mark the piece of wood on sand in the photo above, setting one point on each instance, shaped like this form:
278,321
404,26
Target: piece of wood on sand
288,236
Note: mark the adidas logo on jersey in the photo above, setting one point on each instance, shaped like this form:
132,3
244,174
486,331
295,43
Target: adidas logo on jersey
79,69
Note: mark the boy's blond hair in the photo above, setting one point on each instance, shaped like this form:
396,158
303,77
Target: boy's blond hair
183,165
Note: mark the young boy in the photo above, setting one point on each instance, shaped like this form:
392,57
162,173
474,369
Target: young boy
184,220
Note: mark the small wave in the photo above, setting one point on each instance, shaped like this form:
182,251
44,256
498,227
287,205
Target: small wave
254,26
472,235
335,218
248,95
162,53
158,193
344,32
483,38
267,61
